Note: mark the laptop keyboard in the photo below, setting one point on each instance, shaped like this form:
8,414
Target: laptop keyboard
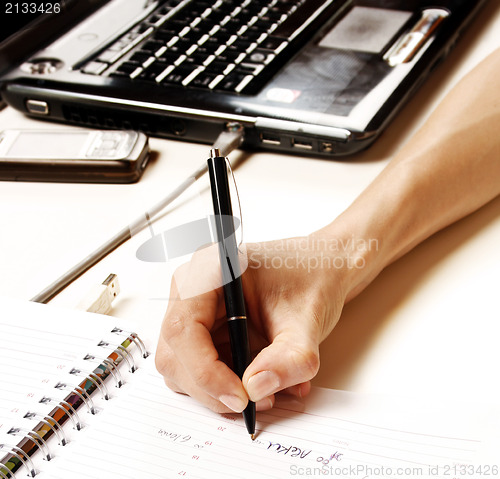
228,45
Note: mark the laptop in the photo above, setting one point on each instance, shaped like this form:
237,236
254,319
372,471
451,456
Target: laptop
318,77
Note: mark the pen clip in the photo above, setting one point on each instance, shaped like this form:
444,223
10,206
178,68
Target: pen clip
228,164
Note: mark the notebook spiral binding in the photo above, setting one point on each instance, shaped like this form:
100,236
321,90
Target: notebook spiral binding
19,455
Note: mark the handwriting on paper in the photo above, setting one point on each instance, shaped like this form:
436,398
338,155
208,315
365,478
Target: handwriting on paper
295,451
174,436
336,456
182,438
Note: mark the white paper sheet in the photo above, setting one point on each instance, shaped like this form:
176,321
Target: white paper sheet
147,431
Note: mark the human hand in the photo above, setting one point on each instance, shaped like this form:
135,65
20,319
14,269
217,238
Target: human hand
294,294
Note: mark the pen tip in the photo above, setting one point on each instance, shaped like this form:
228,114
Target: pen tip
252,437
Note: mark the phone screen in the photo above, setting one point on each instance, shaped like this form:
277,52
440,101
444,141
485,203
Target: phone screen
60,145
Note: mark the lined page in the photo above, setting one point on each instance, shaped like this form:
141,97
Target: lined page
147,431
36,353
40,346
152,432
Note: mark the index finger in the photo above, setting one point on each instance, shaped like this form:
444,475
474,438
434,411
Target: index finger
186,331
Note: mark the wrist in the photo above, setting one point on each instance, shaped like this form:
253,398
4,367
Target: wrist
356,257
393,214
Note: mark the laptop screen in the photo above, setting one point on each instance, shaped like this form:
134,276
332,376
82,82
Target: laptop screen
28,26
14,22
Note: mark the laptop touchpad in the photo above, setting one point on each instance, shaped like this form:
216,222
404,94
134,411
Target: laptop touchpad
366,29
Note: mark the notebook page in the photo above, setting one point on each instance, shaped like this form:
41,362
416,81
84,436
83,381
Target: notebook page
40,346
152,432
147,431
33,356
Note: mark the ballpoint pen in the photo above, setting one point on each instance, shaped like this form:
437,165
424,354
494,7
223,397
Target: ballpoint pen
231,274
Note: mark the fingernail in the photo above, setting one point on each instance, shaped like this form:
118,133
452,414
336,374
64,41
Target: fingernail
264,404
262,384
233,402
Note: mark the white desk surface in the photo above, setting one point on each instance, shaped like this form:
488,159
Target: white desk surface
429,324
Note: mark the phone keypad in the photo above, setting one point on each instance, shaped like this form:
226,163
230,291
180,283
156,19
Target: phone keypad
110,145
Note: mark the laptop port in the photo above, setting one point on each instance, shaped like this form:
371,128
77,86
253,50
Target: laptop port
37,107
327,147
304,145
270,139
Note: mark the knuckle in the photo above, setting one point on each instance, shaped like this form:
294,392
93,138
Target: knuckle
164,365
203,378
173,327
305,360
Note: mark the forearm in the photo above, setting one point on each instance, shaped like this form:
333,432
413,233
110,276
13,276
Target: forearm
450,168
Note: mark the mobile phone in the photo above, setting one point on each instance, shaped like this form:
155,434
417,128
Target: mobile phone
80,156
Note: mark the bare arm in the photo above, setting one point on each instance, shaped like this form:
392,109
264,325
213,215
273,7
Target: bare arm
450,168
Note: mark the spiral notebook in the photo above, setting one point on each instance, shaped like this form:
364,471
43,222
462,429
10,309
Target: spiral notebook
80,398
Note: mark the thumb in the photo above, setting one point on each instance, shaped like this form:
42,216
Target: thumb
291,359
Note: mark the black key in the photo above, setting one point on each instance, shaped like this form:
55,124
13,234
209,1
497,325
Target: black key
251,36
215,17
260,26
170,4
228,56
155,17
175,78
152,46
203,80
199,7
196,58
179,22
296,20
140,57
193,35
217,67
272,16
219,38
141,28
179,74
165,35
283,7
119,74
245,16
248,69
231,27
271,43
127,68
240,46
165,10
152,71
228,7
204,26
168,57
253,8
171,26
180,46
259,56
208,47
231,81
